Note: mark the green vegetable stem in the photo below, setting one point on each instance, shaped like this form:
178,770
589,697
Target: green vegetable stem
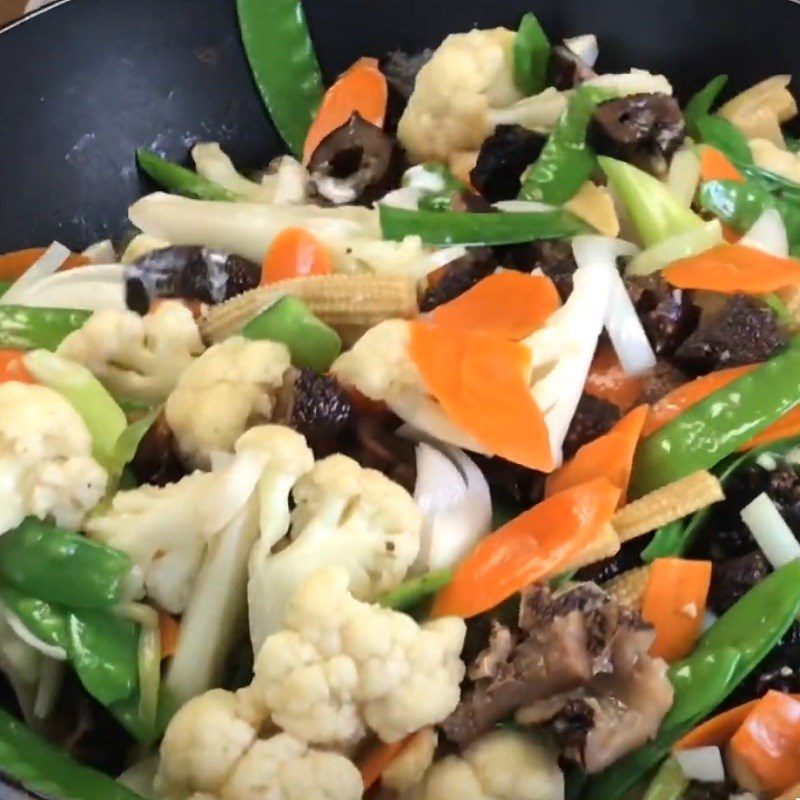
725,137
719,425
311,342
700,105
567,160
23,328
531,56
453,227
412,591
179,180
284,64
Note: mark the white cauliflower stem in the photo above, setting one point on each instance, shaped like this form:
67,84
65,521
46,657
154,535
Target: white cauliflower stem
342,667
344,515
137,358
212,749
230,388
46,464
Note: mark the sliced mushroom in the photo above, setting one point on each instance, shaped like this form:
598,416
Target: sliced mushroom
503,158
356,163
192,273
567,69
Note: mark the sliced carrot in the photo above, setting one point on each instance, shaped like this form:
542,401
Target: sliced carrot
12,367
362,90
678,400
674,603
295,253
530,547
377,759
730,235
609,381
767,745
715,166
717,731
509,304
609,456
482,382
731,268
788,425
12,265
169,633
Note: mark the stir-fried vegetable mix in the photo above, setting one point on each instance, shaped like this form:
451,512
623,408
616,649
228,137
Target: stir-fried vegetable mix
457,456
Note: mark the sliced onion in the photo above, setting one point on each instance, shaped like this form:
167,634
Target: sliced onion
95,287
769,529
18,626
51,679
683,177
702,764
100,252
406,197
453,495
49,263
439,258
684,245
422,179
768,234
290,182
585,47
625,330
522,206
149,659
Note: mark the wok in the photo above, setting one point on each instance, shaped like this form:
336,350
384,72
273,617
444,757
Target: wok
85,82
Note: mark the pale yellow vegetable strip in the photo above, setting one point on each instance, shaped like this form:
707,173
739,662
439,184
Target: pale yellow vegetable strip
628,589
791,299
771,93
342,301
667,504
606,545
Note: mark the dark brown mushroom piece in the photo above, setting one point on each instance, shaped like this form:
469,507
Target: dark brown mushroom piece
660,381
553,257
567,69
502,159
357,163
593,418
187,272
457,277
644,129
400,70
157,460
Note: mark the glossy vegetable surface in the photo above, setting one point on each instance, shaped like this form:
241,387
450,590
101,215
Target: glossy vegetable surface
25,328
179,180
531,56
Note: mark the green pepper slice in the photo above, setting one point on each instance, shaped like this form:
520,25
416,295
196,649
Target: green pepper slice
311,342
282,58
699,105
531,56
455,227
24,328
725,137
179,180
720,424
62,567
412,591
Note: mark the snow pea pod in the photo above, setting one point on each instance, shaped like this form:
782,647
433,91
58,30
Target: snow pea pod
699,105
531,56
62,567
771,181
179,180
725,137
567,160
669,782
414,590
456,227
41,767
284,64
24,328
720,424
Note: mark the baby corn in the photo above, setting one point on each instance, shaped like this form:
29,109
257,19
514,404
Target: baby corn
628,589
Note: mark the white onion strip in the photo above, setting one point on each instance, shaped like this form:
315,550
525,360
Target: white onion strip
702,764
48,264
769,529
625,330
768,234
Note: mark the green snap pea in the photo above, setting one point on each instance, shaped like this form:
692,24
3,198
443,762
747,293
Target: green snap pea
62,567
453,227
281,55
567,160
719,425
700,105
42,619
24,328
725,137
41,767
130,439
792,144
531,56
311,342
771,181
669,783
179,180
413,590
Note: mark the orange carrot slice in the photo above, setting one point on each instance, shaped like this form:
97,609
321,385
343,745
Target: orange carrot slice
717,731
295,253
715,166
788,425
678,400
482,382
730,268
12,265
509,304
169,633
674,603
767,745
12,367
376,761
609,381
534,545
609,456
362,90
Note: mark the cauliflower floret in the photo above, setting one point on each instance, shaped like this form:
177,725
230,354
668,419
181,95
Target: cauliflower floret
230,388
344,515
138,358
504,765
341,667
211,749
166,530
379,366
46,464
